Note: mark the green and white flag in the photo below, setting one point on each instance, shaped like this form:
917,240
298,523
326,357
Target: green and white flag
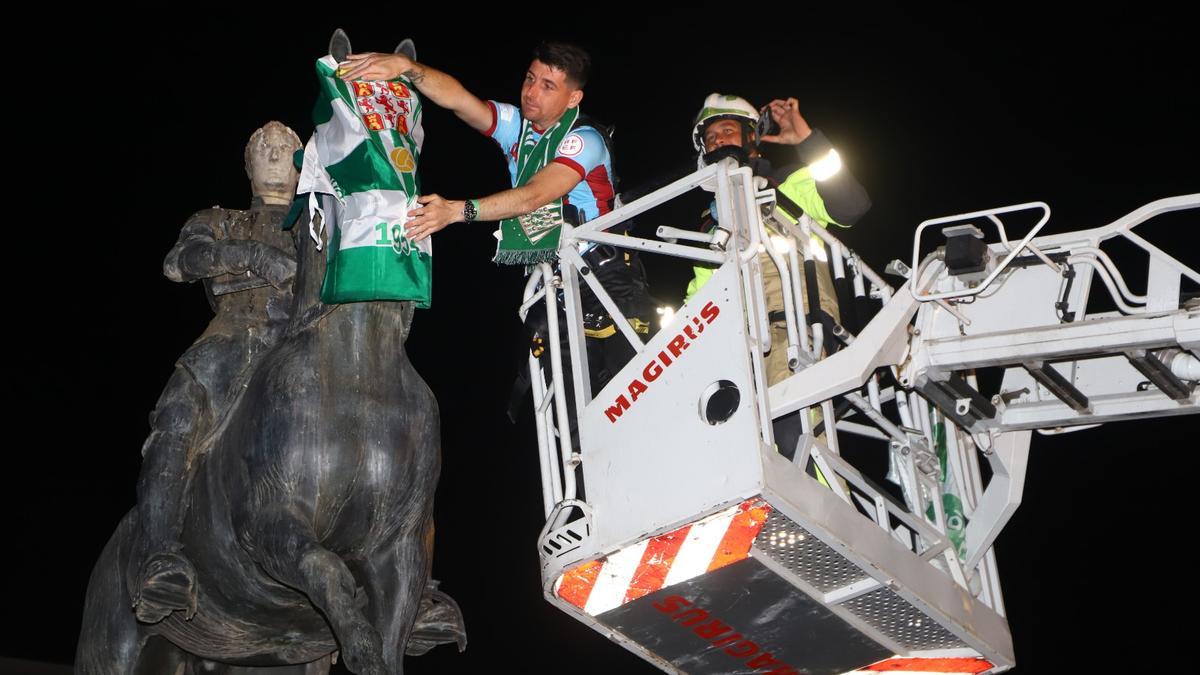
901,464
952,506
365,152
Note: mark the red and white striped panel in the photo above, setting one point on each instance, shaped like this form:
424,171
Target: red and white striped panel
970,665
649,565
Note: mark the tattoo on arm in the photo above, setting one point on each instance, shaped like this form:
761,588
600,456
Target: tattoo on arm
415,75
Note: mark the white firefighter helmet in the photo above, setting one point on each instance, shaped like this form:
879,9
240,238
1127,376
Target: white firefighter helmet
720,107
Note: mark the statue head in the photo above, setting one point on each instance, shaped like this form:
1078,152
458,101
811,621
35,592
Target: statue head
269,164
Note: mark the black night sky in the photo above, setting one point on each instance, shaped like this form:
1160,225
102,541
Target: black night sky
936,114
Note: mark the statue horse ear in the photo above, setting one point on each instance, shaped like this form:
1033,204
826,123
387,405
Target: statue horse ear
407,48
339,46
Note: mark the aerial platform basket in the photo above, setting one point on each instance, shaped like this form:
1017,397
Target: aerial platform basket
704,550
679,528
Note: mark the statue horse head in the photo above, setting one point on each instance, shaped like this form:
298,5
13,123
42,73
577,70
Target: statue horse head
310,507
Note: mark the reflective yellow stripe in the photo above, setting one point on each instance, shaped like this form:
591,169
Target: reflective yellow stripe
639,326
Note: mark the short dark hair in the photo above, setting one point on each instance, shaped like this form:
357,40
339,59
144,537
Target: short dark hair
569,58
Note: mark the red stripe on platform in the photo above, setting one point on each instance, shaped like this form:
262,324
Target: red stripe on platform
656,562
746,525
577,584
915,665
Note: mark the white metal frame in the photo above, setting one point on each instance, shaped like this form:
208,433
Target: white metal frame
902,419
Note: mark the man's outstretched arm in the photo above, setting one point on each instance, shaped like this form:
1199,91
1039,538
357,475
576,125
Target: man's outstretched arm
552,182
437,86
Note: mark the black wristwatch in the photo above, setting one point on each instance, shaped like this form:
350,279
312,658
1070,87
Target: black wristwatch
470,210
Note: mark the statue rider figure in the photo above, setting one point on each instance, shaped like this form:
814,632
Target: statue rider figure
247,265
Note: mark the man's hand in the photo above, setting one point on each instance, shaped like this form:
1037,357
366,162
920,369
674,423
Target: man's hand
792,127
435,213
374,66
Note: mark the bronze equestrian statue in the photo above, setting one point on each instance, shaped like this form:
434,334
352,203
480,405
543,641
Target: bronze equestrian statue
301,522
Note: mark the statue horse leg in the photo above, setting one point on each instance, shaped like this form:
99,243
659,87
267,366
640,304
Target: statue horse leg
394,579
287,548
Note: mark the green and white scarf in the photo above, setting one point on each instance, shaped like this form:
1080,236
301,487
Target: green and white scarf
364,152
533,237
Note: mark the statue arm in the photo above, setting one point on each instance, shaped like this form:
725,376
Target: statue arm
198,254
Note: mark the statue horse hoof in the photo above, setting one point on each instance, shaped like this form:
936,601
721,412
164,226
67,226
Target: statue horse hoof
362,651
168,583
364,663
